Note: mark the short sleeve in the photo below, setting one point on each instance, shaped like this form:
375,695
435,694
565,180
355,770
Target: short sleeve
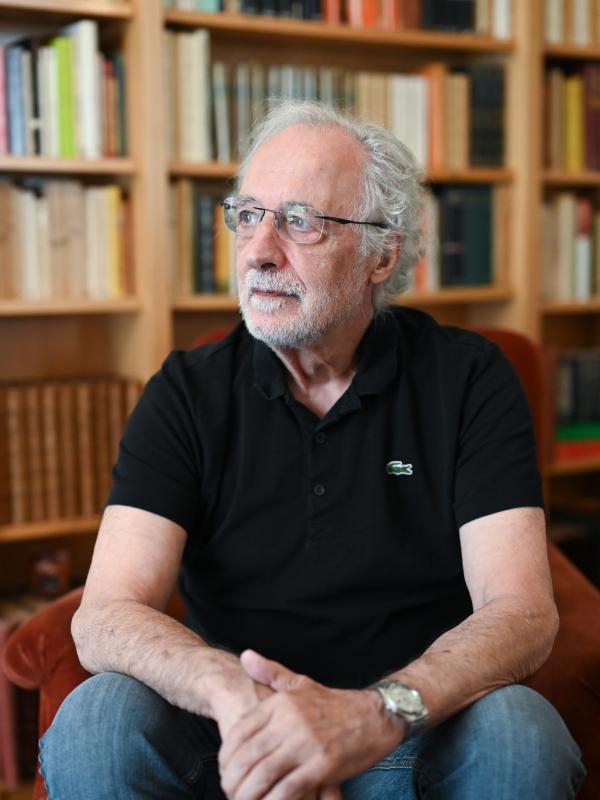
159,461
496,465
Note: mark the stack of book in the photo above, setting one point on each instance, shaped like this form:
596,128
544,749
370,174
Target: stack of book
58,442
449,119
61,240
488,17
62,97
202,249
572,129
572,22
578,406
571,247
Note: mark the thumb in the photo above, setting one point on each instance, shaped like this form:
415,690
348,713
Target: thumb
270,673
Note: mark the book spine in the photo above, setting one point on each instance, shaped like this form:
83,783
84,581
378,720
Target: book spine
15,103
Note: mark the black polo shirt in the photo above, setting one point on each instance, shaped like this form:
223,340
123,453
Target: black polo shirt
330,544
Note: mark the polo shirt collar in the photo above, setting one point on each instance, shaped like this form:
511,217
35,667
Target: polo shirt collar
377,358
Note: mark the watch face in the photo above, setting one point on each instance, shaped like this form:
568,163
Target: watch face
403,700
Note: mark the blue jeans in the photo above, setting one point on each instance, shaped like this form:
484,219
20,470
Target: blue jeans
115,739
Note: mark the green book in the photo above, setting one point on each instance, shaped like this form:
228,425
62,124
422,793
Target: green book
63,47
577,431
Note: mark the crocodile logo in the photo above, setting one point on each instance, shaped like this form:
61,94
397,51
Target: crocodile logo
398,468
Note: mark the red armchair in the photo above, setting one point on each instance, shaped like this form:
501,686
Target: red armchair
41,654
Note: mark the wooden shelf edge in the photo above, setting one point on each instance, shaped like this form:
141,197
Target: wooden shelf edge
572,467
18,308
49,529
215,169
336,34
206,302
591,306
67,166
552,177
574,51
70,8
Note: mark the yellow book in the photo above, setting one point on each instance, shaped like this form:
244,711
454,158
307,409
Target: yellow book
112,197
221,267
573,122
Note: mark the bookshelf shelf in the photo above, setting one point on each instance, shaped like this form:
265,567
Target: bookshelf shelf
320,33
572,51
591,306
68,8
573,468
49,529
215,169
19,308
569,179
206,302
67,166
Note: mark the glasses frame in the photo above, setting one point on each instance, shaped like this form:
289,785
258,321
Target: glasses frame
277,212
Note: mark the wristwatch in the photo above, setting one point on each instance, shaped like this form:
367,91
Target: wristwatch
403,702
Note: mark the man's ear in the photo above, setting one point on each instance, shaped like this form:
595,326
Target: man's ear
385,264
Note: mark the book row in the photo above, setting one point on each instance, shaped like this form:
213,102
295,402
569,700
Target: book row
572,22
570,247
572,129
62,97
63,240
487,17
577,433
461,249
448,118
58,443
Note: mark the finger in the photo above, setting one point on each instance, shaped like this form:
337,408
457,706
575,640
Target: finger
271,673
241,731
300,782
258,765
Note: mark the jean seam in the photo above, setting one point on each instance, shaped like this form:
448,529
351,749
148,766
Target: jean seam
192,776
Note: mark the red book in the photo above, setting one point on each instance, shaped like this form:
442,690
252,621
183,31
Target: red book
332,11
390,15
370,14
576,451
591,112
410,13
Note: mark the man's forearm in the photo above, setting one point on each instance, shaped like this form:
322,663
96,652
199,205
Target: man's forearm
136,640
502,643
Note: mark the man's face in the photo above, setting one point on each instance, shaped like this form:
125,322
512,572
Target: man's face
292,295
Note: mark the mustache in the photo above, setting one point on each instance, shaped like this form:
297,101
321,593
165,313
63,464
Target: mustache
273,282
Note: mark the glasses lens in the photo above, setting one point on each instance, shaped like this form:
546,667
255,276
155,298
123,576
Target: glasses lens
240,217
300,224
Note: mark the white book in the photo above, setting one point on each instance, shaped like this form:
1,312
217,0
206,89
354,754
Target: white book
417,111
326,88
86,87
397,103
43,247
74,207
170,92
221,108
502,19
549,265
581,34
482,17
273,84
193,75
309,79
53,104
30,282
554,21
566,222
95,289
582,273
243,107
257,91
287,82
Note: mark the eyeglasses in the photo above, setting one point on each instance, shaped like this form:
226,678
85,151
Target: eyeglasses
293,222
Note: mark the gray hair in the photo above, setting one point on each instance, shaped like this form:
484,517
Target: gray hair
392,190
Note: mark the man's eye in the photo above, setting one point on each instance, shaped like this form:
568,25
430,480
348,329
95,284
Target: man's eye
300,223
246,217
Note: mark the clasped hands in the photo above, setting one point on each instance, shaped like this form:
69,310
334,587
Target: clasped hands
303,738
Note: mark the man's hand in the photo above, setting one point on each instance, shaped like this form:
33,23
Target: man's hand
303,737
238,694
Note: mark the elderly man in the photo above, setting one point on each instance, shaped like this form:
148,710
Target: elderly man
348,493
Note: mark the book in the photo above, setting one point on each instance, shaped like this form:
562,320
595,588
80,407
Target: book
486,116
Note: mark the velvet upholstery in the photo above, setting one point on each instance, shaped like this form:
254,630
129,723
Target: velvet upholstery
41,654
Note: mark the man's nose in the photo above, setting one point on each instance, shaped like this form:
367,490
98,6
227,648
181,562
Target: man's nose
264,248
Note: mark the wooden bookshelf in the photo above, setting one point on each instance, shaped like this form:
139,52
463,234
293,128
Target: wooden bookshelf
591,306
572,51
19,308
50,529
569,180
321,34
67,166
52,10
573,468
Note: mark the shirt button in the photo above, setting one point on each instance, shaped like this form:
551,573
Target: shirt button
319,490
320,437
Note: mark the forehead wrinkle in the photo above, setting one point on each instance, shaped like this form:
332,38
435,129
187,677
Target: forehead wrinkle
249,198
